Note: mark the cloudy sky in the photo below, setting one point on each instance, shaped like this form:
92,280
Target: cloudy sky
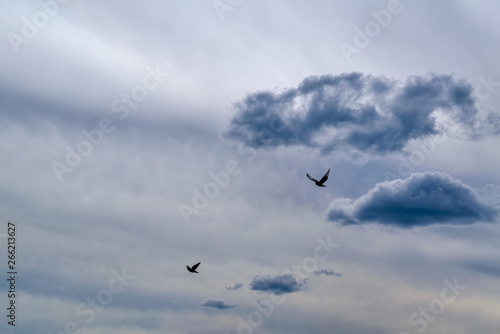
136,139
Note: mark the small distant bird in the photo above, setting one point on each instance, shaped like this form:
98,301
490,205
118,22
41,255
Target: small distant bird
193,268
320,182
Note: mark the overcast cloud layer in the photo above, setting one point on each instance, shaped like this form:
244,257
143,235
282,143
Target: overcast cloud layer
136,139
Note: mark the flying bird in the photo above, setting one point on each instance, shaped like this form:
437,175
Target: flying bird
320,182
193,268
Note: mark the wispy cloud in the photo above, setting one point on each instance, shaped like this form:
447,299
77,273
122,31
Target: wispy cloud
236,286
355,111
217,303
419,200
326,272
278,285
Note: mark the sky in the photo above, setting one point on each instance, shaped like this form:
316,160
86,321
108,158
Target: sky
140,138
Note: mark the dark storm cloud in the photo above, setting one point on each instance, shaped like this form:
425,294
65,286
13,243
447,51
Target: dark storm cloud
216,303
352,110
278,285
327,272
421,199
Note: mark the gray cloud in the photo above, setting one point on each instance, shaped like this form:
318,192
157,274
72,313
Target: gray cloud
216,303
326,272
236,286
352,110
485,266
278,285
421,199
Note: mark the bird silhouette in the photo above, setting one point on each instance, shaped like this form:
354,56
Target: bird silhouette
320,182
193,268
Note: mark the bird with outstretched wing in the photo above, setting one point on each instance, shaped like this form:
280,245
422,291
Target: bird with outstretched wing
320,182
193,268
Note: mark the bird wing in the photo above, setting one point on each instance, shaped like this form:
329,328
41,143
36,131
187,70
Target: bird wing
310,178
195,266
325,177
